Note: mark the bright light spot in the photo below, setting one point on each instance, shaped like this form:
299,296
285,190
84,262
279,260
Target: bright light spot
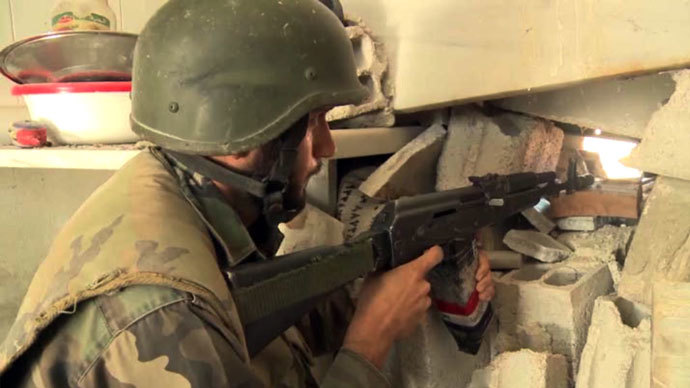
610,153
597,131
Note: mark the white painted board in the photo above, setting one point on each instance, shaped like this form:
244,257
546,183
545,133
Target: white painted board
444,52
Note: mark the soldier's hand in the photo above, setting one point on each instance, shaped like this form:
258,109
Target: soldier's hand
390,306
485,284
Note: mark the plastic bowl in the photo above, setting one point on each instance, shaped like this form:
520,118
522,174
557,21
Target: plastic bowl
81,112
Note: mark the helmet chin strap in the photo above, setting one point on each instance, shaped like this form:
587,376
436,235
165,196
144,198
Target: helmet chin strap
271,190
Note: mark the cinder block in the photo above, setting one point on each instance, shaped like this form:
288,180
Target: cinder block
311,228
617,353
548,307
504,144
409,171
660,249
524,368
670,333
372,70
535,244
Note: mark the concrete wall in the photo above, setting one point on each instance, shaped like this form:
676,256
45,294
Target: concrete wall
34,204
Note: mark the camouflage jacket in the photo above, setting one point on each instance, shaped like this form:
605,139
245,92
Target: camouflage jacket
131,294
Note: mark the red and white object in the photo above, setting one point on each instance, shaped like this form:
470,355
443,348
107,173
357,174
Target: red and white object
81,112
28,134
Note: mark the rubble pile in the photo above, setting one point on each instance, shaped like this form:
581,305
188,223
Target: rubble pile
591,287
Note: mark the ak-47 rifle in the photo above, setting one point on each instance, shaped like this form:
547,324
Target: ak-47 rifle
273,295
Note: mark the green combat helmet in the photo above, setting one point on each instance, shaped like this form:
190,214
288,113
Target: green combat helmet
218,77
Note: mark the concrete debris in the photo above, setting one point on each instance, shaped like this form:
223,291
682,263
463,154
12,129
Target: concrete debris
505,260
663,149
410,170
430,357
538,219
608,243
311,228
670,333
503,144
548,307
372,70
589,105
616,270
580,224
606,199
524,368
660,248
355,209
536,244
617,353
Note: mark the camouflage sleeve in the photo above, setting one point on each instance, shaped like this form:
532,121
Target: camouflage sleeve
352,370
174,346
180,345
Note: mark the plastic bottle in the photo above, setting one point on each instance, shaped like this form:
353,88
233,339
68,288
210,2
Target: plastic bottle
82,15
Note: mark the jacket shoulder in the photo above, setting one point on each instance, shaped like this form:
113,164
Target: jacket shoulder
73,343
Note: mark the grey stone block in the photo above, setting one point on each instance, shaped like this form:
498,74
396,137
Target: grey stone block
580,224
539,220
409,171
536,244
502,144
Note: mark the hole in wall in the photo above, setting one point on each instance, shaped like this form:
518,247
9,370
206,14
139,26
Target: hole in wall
563,277
528,274
367,82
611,151
630,315
363,48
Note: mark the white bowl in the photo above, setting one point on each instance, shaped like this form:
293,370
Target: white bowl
81,112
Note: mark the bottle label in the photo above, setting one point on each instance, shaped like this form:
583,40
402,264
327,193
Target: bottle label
69,21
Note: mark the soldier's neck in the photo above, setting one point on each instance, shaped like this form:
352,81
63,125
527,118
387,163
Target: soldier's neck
244,204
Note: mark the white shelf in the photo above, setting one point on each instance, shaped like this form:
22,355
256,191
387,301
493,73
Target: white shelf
349,143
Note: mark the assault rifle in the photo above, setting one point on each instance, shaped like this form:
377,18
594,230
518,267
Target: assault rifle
273,295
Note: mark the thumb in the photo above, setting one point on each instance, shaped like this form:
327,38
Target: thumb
430,258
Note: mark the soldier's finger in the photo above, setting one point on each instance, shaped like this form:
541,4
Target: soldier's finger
487,294
430,259
482,270
483,284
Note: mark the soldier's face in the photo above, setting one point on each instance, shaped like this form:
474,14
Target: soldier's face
317,145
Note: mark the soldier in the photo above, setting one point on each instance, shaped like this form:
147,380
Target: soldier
132,292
